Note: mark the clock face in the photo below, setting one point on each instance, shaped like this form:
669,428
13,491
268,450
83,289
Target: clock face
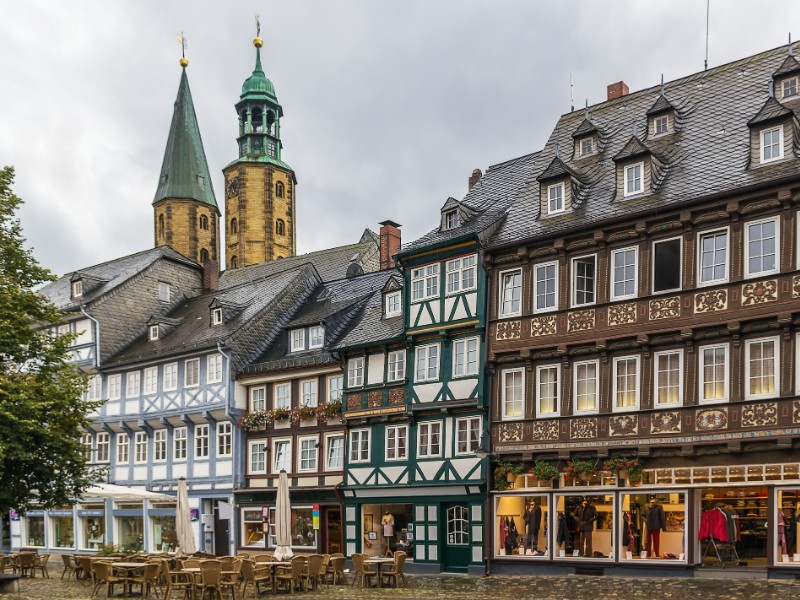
233,187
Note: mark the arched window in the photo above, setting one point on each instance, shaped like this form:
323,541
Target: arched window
203,256
279,227
279,189
161,226
203,222
234,226
234,262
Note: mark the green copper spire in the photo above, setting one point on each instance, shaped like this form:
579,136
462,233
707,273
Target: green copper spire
257,86
184,172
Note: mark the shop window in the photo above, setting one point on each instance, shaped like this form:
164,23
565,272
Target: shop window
164,537
303,533
92,526
252,532
62,528
522,526
584,527
131,532
34,530
788,515
653,526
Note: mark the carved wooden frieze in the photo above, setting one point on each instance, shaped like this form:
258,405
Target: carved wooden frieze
665,308
580,320
511,432
623,425
543,326
710,419
622,314
396,396
759,292
374,399
354,402
545,430
760,206
508,330
582,429
666,422
760,415
796,411
796,286
710,301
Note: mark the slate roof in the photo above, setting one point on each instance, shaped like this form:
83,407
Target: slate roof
661,105
111,274
709,153
370,327
788,66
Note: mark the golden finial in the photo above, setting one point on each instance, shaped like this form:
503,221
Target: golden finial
257,41
182,39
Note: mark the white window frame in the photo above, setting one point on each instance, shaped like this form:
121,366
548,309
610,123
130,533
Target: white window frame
699,252
312,450
392,304
224,438
557,401
628,178
102,447
462,274
462,346
466,446
214,368
287,462
258,398
153,332
170,382
428,277
583,151
450,219
423,363
501,288
114,386
586,411
279,400
316,337
339,389
503,390
536,279
164,291
202,449
151,380
658,120
94,390
396,365
140,447
309,395
180,441
394,450
87,441
187,369
297,340
762,134
574,276
355,372
160,445
701,373
261,447
77,288
653,265
612,271
429,430
614,383
776,269
790,80
133,384
357,438
329,447
216,316
776,371
657,377
555,193
123,443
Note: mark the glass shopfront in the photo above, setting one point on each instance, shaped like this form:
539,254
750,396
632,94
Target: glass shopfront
522,526
584,526
164,537
130,527
653,526
386,526
252,528
62,528
787,553
34,528
91,526
733,526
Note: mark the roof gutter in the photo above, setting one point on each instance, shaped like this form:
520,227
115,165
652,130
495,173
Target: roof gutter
97,334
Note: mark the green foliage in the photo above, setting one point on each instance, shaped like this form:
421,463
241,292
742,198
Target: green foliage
544,471
501,472
42,411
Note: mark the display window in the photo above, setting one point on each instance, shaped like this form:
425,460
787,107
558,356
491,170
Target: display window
391,527
163,530
62,528
734,522
584,526
91,526
130,531
252,527
787,515
653,526
34,530
522,523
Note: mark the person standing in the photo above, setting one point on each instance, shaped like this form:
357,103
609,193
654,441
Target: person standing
655,520
585,514
533,523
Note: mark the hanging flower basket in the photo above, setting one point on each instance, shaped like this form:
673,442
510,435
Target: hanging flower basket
628,468
580,469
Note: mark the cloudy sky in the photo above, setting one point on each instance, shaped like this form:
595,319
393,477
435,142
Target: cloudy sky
389,105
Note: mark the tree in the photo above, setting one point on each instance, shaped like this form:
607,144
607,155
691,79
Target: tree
42,410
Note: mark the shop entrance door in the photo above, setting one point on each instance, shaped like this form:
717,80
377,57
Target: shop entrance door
221,530
455,538
333,518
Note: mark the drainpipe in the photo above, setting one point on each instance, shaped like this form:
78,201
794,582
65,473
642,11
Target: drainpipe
97,334
236,454
489,544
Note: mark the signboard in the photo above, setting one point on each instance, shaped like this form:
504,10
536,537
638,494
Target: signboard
194,514
315,516
13,515
265,513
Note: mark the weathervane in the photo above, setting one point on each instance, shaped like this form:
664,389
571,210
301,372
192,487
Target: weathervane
258,42
182,40
258,27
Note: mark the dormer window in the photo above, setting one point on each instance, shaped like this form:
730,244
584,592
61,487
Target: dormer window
153,332
587,146
391,304
661,125
77,289
316,336
789,87
555,199
771,144
633,179
216,316
450,219
298,340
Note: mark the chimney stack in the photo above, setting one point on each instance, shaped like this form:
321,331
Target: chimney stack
390,243
474,178
211,276
617,90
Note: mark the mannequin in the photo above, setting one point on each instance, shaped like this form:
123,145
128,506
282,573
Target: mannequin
585,514
533,523
655,520
387,522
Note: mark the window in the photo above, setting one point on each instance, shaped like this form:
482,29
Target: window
258,457
234,226
171,376
308,392
95,389
201,441
624,277
216,316
397,365
555,199
668,377
203,222
77,289
429,443
789,87
392,305
334,455
512,391
132,386
258,399
587,146
713,373
214,368
761,243
396,442
316,336
282,395
661,125
712,257
583,280
458,526
140,447
123,447
468,435
586,386
510,293
103,445
667,265
224,438
425,282
761,368
298,338
450,219
160,444
545,287
280,227
308,454
465,357
179,437
335,385
203,256
279,189
548,390
234,262
633,179
626,383
86,442
359,445
192,372
163,291
153,335
114,387
427,362
150,380
772,144
461,274
355,372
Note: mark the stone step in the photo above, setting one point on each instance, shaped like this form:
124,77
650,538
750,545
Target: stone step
730,573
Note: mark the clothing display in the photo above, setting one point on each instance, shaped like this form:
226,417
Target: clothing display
655,520
782,531
562,530
388,525
629,531
533,523
585,514
714,524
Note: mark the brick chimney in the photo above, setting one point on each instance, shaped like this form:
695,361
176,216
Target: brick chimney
211,276
617,90
474,178
390,243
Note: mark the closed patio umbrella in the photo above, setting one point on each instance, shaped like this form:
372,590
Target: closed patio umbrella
283,519
183,521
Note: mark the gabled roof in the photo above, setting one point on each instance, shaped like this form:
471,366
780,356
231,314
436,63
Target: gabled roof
788,66
634,147
771,111
585,128
369,327
557,169
661,105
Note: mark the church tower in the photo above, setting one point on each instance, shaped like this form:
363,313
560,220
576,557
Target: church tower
185,211
259,186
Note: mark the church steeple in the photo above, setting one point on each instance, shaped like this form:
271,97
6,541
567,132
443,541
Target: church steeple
186,215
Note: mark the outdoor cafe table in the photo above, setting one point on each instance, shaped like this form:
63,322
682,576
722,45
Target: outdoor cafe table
129,568
273,565
379,561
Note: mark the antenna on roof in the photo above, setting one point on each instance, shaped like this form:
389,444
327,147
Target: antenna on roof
708,12
558,141
662,84
586,110
571,100
790,44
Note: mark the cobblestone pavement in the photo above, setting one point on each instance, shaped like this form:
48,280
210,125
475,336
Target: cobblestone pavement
571,587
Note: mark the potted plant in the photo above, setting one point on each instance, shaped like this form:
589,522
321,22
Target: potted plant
505,473
281,414
583,469
626,467
304,413
544,471
255,420
329,410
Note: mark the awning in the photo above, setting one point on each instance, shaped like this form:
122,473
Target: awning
123,493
